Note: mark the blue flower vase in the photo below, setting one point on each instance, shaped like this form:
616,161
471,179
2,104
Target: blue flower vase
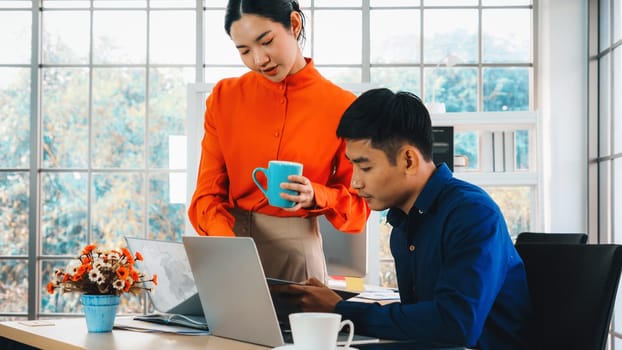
99,311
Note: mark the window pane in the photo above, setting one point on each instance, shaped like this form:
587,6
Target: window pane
15,33
64,211
213,75
337,36
450,2
217,3
456,87
617,199
341,75
505,2
118,207
118,118
167,210
172,3
15,204
340,3
117,3
66,36
506,89
14,291
15,114
605,191
219,49
604,33
57,302
390,3
385,234
522,143
448,32
604,108
114,43
396,36
617,20
406,78
172,37
506,35
388,278
66,3
617,100
167,115
15,4
466,144
65,110
517,205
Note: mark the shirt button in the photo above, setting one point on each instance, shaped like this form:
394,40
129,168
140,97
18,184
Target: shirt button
276,134
411,247
420,211
282,101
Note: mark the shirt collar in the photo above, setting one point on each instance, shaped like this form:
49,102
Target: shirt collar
426,198
307,75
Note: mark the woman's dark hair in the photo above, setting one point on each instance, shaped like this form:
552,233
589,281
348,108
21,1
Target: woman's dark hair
276,10
389,120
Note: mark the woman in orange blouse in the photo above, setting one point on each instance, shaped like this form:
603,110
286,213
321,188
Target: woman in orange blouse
282,109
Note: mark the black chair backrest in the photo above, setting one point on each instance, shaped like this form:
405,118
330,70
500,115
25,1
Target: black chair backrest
572,289
540,238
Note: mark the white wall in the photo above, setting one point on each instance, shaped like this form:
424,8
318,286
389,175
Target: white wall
562,56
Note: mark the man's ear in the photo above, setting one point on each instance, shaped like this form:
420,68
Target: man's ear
410,157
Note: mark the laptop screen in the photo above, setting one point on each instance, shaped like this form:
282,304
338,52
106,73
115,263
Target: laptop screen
176,291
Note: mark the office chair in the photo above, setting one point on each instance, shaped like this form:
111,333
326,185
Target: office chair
537,237
572,289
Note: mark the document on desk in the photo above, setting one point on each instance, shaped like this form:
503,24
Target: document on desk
131,324
380,295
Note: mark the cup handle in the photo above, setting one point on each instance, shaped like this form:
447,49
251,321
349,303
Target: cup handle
350,333
265,172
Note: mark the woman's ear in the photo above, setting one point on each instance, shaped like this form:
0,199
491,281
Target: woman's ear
296,22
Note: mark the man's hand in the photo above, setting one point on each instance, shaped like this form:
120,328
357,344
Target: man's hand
311,295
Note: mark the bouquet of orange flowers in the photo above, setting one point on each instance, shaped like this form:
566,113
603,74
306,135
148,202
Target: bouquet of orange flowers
98,271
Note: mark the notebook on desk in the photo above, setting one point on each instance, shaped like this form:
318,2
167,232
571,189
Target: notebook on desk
175,298
234,291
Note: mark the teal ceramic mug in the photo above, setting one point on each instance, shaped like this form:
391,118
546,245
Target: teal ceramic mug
276,173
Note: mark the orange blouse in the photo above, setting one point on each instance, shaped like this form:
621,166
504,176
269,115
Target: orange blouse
250,120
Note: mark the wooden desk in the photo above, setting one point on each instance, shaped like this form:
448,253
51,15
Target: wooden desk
71,334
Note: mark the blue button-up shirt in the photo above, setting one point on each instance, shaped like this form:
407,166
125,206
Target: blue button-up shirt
460,278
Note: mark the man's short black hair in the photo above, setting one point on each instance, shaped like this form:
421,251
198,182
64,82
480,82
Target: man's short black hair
389,120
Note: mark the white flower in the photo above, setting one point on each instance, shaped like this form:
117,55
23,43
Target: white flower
96,276
101,265
118,284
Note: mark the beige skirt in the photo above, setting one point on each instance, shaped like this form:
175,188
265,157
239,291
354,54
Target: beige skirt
290,248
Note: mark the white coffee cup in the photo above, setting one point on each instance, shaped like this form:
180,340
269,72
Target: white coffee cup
318,330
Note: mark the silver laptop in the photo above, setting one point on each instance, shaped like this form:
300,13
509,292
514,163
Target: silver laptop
234,292
176,292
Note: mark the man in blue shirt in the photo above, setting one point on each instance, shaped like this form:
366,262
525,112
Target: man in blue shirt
460,278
